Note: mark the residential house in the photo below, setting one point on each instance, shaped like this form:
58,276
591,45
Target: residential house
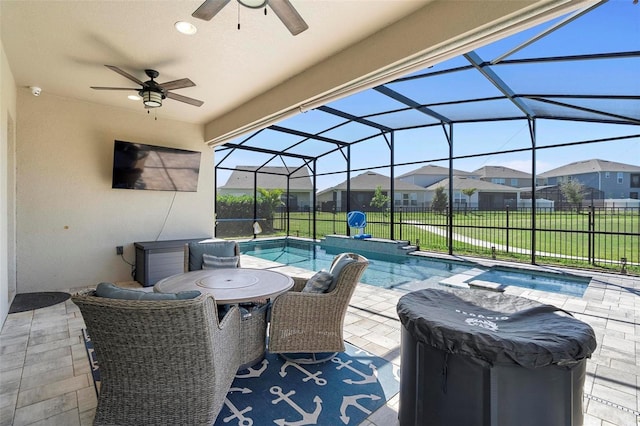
428,175
487,195
611,179
363,187
243,179
505,176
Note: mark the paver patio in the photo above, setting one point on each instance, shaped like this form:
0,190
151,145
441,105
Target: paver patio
45,377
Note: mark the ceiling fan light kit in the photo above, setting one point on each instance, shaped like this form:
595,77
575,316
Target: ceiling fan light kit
151,99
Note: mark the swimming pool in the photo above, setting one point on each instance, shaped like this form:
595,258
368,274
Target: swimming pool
410,272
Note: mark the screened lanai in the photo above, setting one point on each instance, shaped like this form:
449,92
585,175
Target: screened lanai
526,149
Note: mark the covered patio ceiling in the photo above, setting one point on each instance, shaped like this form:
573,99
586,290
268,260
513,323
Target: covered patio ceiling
582,67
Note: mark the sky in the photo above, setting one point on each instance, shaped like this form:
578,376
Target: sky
612,27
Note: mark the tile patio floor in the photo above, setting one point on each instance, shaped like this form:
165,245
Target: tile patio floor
45,378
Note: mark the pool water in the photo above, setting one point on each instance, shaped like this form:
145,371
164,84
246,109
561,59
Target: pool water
406,272
393,271
570,285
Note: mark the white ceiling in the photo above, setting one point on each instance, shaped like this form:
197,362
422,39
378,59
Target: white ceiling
62,46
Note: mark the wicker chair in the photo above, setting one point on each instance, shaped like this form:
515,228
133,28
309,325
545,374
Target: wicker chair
193,252
312,322
161,362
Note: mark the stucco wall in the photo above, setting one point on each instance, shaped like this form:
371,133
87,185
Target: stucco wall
7,185
69,218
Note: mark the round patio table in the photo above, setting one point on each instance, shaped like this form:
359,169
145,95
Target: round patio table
237,286
229,285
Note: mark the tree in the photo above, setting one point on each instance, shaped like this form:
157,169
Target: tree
269,201
440,200
573,190
468,192
379,200
239,208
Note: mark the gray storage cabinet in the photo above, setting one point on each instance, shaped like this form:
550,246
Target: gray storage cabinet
156,260
480,358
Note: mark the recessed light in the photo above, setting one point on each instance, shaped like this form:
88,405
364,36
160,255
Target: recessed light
134,97
185,27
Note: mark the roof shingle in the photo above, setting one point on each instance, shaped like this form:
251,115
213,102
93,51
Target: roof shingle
270,178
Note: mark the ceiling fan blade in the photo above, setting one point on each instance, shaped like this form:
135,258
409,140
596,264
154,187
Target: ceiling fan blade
177,84
289,16
209,8
125,74
114,88
184,99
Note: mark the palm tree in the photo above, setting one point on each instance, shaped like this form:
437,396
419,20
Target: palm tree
468,192
269,201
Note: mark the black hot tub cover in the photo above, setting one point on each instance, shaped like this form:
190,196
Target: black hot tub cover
495,327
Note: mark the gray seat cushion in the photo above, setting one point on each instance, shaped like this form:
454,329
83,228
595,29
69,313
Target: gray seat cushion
216,248
341,261
210,261
112,291
319,283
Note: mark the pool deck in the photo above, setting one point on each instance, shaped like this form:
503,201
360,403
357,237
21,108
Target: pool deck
611,305
45,377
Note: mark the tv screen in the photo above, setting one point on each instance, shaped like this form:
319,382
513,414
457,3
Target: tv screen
157,168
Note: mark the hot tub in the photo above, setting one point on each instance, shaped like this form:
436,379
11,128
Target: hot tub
473,357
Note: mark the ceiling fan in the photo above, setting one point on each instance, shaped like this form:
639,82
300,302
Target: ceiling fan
152,92
282,8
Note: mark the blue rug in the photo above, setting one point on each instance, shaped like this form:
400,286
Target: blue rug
342,391
93,363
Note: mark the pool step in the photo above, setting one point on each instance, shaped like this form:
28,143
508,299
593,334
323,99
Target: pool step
455,281
487,285
462,280
377,245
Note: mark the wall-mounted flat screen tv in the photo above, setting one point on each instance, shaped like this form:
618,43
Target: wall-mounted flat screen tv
156,168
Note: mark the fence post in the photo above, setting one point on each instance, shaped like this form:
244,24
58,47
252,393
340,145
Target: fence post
590,236
334,219
400,222
507,225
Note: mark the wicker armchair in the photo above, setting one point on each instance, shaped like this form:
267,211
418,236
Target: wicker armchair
312,322
193,252
161,362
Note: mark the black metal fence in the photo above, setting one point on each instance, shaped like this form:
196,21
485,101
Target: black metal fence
592,237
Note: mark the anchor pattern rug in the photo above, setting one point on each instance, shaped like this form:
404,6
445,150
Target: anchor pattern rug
342,391
93,362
